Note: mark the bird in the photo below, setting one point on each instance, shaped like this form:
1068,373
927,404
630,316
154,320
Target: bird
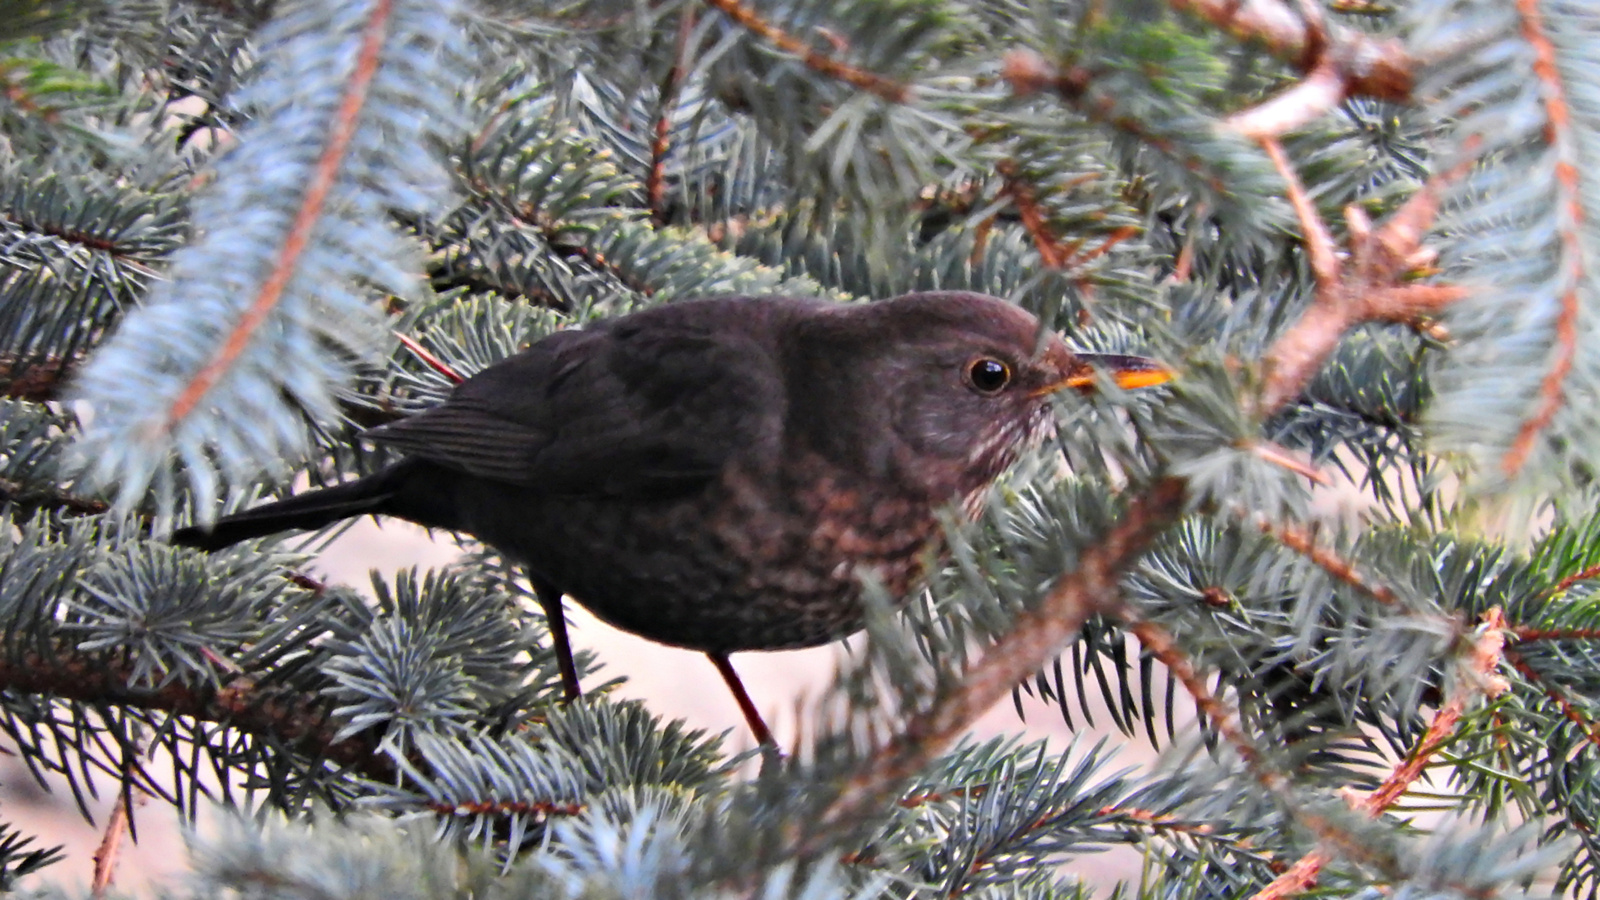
721,474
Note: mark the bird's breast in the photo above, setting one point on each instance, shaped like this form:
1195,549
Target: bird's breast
756,561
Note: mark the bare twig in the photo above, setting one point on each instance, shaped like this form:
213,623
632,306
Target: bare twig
429,359
105,855
1320,92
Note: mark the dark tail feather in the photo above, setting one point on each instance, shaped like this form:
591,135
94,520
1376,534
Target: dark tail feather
310,510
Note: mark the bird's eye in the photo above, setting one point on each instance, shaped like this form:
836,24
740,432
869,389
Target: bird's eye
988,375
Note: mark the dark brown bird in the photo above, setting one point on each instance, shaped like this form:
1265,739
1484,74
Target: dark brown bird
720,474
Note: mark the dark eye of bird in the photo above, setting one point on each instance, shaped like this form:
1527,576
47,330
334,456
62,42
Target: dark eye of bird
988,375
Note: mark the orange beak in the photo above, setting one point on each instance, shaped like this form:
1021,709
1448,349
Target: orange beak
1127,372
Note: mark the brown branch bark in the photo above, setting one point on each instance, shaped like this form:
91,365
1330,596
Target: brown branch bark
1364,284
305,220
1036,636
1487,653
1366,65
871,82
302,723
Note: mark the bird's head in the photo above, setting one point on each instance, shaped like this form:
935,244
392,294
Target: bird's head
950,387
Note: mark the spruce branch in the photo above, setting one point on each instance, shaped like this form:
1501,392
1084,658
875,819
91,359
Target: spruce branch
277,714
1305,543
1036,636
323,175
1487,652
1370,288
655,185
1571,212
871,82
1586,726
1364,64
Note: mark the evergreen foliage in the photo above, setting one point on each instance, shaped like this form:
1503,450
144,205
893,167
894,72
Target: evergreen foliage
234,234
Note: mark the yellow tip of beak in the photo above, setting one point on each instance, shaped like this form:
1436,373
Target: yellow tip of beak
1127,372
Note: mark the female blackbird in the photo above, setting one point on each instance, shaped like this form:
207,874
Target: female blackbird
720,474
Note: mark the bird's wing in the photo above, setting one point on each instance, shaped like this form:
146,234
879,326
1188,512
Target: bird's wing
621,410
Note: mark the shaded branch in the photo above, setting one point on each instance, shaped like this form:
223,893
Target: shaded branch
277,714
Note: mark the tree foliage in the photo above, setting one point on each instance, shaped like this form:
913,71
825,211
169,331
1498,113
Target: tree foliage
234,234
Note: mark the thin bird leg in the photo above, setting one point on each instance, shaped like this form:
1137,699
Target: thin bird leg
556,620
751,717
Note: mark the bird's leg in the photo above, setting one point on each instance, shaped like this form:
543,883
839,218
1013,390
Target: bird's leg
555,619
758,727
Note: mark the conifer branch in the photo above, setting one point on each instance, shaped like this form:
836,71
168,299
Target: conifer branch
1320,92
1305,543
1574,578
1370,288
1570,215
1365,65
655,183
1571,713
1488,650
1036,636
307,216
280,715
871,82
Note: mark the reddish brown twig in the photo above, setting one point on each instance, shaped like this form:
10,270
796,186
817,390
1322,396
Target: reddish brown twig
1575,577
887,88
1223,717
1487,652
305,220
1036,636
1568,711
1366,65
105,855
1033,217
1371,288
1284,458
655,184
1305,543
1570,210
429,359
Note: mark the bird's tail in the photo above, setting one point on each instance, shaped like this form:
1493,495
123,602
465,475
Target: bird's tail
310,510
